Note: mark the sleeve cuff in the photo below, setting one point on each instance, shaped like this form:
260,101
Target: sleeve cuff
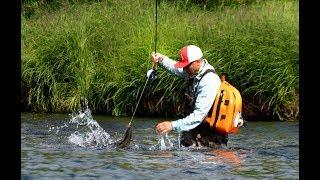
165,58
174,125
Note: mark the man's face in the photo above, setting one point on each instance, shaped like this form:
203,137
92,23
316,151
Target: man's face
193,68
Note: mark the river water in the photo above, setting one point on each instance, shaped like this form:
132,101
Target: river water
80,146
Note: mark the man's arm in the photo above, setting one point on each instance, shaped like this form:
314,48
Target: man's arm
168,64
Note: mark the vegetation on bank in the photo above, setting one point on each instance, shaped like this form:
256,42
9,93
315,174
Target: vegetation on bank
100,50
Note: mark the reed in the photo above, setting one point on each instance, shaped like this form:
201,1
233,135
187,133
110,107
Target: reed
101,51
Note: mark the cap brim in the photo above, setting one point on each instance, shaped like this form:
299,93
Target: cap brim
181,64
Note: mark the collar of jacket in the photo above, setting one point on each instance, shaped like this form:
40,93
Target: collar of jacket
205,65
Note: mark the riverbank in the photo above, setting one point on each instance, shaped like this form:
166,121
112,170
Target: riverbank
100,50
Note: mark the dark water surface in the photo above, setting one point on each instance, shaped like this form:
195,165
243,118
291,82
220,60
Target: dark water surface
52,148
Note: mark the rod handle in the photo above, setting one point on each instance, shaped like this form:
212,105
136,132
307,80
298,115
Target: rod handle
154,65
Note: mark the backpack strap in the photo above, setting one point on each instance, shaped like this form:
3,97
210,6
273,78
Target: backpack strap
206,72
196,88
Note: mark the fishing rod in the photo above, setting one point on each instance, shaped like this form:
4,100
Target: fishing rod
151,74
154,65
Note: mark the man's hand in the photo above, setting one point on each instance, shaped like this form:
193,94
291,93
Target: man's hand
157,57
164,127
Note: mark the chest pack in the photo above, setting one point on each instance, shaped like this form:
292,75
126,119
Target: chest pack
226,110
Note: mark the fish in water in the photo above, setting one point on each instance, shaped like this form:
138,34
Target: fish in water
127,138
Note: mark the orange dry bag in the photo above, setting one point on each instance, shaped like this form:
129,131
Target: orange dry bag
226,110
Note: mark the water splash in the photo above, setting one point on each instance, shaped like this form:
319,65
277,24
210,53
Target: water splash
164,142
89,132
179,139
86,132
57,128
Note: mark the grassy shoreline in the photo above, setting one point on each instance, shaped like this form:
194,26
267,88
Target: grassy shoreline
100,51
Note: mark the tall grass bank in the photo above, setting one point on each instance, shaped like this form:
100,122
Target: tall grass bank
101,51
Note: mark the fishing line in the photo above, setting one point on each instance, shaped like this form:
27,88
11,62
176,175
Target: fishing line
155,50
156,28
134,112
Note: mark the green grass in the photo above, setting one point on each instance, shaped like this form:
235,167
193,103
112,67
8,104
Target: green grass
101,51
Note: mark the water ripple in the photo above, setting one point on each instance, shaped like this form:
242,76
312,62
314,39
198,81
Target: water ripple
254,153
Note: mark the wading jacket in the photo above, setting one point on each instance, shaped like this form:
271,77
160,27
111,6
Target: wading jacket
204,93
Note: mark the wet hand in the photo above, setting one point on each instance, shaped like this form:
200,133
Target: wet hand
164,127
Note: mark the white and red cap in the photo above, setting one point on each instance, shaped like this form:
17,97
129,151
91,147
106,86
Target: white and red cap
188,54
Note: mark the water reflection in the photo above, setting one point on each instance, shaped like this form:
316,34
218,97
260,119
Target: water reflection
225,156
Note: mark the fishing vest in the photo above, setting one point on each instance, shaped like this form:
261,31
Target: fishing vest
226,109
190,93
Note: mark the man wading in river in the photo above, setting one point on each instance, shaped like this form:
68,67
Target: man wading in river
204,85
